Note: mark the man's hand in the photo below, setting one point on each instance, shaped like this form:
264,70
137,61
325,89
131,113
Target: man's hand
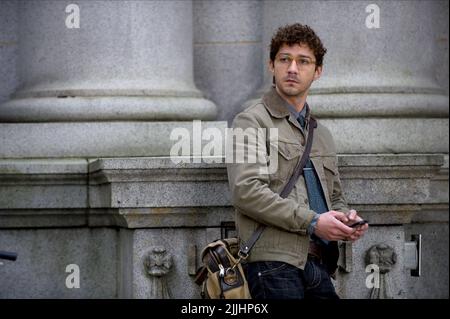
359,230
333,226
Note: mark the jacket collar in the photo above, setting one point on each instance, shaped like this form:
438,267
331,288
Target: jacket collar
274,103
277,107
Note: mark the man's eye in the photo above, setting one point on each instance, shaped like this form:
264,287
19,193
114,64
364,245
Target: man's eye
284,60
304,61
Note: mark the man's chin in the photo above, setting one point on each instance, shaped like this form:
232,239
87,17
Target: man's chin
289,91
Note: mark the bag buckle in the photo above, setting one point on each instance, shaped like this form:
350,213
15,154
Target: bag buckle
242,255
221,271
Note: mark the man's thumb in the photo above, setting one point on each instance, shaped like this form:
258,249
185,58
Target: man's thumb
340,216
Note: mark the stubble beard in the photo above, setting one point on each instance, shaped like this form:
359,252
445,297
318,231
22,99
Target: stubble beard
290,91
294,91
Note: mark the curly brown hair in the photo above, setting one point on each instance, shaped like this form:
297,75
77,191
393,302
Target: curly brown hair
297,34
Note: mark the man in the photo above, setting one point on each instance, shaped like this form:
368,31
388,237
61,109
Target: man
291,259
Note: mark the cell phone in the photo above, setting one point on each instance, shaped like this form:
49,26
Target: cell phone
359,223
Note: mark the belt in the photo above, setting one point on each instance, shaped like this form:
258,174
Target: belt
315,251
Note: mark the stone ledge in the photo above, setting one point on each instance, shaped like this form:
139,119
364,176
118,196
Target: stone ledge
379,103
160,194
143,139
93,139
403,214
46,218
141,163
395,160
192,217
72,106
161,217
42,166
107,170
155,192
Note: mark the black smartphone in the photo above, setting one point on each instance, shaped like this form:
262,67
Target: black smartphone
360,223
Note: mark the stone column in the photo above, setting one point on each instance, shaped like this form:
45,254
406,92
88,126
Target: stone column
8,49
227,52
378,90
128,60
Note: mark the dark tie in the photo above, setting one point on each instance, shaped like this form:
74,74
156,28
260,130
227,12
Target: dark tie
316,197
302,121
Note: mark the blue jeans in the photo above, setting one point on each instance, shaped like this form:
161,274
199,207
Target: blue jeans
278,280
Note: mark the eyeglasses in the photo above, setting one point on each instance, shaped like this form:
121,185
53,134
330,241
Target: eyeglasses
302,62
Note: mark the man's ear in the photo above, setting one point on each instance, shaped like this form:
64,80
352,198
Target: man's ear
317,73
271,66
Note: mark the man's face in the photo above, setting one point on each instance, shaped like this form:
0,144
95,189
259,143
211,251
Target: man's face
294,70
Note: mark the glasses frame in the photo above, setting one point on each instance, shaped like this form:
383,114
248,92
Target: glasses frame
300,60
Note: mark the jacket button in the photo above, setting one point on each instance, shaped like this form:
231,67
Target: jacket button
306,201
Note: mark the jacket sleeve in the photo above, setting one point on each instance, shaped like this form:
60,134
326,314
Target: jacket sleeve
338,201
250,192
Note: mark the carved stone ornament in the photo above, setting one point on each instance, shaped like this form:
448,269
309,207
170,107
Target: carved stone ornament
157,265
383,258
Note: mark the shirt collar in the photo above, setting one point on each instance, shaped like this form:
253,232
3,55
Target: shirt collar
294,112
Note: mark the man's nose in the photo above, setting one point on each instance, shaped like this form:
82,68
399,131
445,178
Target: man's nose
293,67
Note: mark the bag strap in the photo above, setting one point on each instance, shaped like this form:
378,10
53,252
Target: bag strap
245,249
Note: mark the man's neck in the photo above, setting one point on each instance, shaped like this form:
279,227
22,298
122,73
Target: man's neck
298,101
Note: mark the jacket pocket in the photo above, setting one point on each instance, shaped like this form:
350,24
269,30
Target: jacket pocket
288,156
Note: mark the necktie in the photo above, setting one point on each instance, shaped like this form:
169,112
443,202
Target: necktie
301,119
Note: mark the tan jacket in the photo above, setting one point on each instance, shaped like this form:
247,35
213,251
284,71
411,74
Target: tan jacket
255,196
